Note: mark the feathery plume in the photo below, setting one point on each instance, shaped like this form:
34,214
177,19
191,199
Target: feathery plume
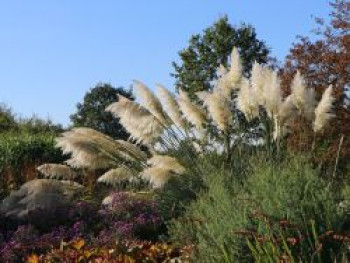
131,150
257,80
323,110
285,114
92,149
56,171
272,94
167,163
161,170
303,98
84,153
228,80
143,126
218,108
156,176
171,106
235,72
150,102
191,112
246,100
115,176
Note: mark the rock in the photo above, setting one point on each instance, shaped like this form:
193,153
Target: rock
45,195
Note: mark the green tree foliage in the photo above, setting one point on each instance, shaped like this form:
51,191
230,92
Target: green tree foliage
7,118
91,112
200,60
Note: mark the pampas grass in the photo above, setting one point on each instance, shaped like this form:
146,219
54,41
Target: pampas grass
156,176
257,82
192,112
167,163
143,126
323,110
150,102
115,176
92,149
151,122
303,98
272,94
171,106
57,171
246,100
218,108
229,79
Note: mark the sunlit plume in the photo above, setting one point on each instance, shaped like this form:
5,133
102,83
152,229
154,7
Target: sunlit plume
161,169
166,162
218,108
272,94
57,171
246,100
323,111
303,98
115,176
193,113
257,81
143,126
156,176
229,80
170,105
92,149
150,101
282,119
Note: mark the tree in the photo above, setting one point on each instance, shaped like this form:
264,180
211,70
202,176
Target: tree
91,113
325,61
200,60
7,119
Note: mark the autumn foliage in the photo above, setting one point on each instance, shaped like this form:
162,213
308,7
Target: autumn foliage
324,62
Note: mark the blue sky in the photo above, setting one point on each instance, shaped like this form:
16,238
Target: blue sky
52,52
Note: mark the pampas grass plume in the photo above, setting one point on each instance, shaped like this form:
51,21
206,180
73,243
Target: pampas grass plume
171,106
143,126
323,110
150,101
167,163
115,176
56,171
218,108
272,94
246,100
303,98
193,113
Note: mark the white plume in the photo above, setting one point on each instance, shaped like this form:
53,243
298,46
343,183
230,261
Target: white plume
228,80
115,176
150,101
191,111
57,171
246,100
156,176
272,95
303,98
218,107
171,106
257,81
323,111
167,163
139,122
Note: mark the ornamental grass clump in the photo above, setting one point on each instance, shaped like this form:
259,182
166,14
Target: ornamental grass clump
172,124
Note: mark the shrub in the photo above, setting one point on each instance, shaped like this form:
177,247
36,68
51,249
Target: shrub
290,190
20,154
130,217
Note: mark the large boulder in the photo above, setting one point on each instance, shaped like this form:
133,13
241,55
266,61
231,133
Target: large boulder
39,195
